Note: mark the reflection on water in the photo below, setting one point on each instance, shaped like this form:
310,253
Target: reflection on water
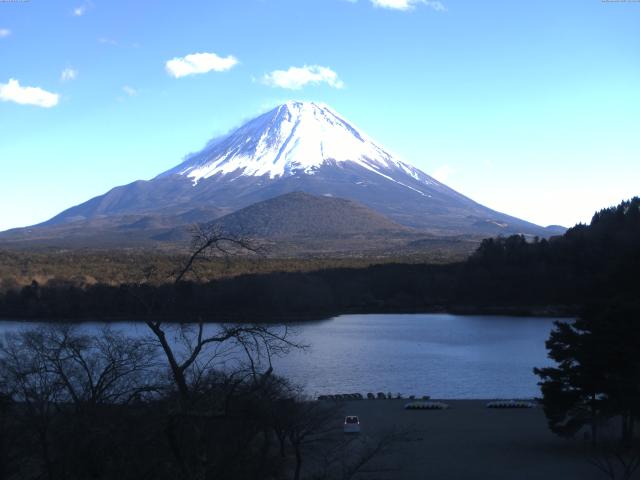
445,356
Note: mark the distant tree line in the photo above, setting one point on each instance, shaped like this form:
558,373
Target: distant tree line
505,275
19,268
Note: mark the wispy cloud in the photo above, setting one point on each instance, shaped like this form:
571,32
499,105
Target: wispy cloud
199,63
115,43
80,10
443,173
296,78
129,90
107,41
409,4
4,32
12,91
68,74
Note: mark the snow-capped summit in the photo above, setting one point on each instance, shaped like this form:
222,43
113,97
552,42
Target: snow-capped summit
296,147
294,138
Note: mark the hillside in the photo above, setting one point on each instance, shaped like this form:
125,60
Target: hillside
303,215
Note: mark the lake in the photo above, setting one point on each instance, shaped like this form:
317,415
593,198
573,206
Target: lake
441,355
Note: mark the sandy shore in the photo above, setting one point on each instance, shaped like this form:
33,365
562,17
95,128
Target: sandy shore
470,441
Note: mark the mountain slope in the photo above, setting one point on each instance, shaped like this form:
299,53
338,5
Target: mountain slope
296,147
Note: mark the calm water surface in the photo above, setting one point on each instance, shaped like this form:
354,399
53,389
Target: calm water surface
445,356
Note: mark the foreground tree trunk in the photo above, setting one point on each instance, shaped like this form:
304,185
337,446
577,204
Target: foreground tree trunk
628,422
298,452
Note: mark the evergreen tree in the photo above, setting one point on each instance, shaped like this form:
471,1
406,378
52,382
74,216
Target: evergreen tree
598,371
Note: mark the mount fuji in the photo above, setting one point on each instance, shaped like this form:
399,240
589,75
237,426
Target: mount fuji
296,147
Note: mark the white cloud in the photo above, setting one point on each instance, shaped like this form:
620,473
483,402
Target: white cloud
12,91
443,173
199,63
68,74
409,4
130,90
107,41
4,32
297,77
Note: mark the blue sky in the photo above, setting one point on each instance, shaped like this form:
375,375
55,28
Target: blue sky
531,108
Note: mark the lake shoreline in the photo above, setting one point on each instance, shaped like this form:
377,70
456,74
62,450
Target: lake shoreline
545,311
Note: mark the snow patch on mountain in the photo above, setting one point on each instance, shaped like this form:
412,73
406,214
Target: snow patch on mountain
295,138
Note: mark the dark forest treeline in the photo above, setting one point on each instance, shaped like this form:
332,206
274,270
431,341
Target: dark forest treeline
589,262
19,268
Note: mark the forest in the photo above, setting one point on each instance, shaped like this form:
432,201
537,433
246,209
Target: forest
514,275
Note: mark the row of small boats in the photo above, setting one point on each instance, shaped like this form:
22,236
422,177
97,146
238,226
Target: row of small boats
370,396
423,403
494,404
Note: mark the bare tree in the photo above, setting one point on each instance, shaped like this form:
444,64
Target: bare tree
618,460
30,382
212,241
350,457
8,434
617,463
193,351
61,379
107,368
306,423
258,343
